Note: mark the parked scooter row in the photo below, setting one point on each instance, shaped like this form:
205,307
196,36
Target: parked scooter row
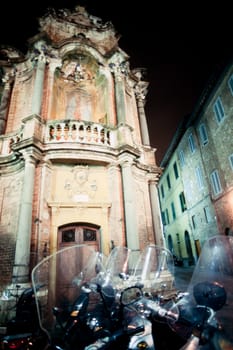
127,301
23,330
107,292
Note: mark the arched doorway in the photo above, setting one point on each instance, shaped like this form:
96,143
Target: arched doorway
189,248
170,244
79,233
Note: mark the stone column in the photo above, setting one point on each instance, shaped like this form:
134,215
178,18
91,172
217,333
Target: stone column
120,99
23,240
132,235
39,81
140,92
156,217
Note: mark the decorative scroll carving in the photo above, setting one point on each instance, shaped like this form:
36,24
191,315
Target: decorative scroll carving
76,71
141,89
141,86
119,66
80,189
40,52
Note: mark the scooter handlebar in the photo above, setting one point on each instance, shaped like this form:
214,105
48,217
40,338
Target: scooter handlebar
104,343
158,311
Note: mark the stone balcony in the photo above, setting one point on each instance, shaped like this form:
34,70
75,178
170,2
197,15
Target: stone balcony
77,131
72,134
58,131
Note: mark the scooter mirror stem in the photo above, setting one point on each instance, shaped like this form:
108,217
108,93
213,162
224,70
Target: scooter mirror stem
192,343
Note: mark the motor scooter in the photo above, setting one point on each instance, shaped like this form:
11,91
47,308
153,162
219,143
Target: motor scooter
142,283
205,311
23,331
67,295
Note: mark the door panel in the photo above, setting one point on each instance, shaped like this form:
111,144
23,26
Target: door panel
78,234
67,237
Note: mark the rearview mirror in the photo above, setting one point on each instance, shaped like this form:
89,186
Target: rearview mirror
130,295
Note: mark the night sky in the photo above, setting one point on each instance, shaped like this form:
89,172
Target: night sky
179,45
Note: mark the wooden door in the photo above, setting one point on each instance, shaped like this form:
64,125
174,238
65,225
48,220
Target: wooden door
66,264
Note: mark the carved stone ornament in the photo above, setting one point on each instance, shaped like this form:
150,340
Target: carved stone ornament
80,189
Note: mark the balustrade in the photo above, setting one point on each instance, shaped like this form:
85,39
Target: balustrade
6,143
77,132
59,131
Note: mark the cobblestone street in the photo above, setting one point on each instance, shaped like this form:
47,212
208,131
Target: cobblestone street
182,277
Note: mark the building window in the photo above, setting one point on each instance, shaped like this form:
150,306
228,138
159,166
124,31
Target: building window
230,84
68,236
194,221
167,216
181,157
178,244
168,182
219,110
215,182
199,177
173,211
175,170
207,214
163,218
162,191
89,235
203,134
231,161
192,143
182,202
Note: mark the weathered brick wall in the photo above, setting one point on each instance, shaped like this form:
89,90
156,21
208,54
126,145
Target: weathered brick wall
10,195
7,250
20,103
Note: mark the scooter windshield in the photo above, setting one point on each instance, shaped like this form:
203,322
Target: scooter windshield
209,297
155,270
119,269
58,278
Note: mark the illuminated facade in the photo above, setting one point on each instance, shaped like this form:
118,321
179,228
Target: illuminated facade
76,164
202,149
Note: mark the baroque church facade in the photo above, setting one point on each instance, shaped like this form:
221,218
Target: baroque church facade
76,164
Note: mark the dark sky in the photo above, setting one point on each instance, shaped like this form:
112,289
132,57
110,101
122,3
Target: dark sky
179,45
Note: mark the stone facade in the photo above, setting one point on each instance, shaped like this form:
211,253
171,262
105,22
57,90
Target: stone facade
75,158
203,150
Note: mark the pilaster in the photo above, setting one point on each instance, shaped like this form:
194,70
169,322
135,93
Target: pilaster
157,223
132,235
119,69
23,239
39,80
